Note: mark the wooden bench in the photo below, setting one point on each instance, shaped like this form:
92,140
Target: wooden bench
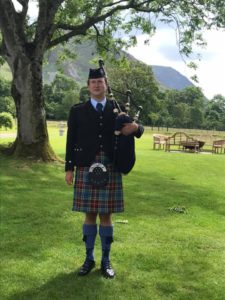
178,139
190,145
160,140
218,146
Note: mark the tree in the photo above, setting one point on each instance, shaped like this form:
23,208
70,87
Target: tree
24,43
6,101
6,120
139,79
154,118
184,108
59,96
7,104
83,96
4,87
193,96
196,117
215,113
195,99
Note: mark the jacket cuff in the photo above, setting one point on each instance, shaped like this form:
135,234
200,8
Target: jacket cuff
139,132
69,165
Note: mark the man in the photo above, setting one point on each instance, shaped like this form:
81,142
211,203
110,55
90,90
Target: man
98,184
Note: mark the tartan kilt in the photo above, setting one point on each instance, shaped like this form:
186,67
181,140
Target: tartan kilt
103,200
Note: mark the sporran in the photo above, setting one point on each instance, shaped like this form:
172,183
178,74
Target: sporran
98,175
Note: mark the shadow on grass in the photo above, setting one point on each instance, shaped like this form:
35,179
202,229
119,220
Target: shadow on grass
68,286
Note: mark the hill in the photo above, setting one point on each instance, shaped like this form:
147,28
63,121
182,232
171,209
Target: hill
77,69
167,77
171,78
74,68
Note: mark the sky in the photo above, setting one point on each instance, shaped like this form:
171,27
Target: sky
163,51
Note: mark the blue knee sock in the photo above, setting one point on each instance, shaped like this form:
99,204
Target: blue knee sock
89,232
106,235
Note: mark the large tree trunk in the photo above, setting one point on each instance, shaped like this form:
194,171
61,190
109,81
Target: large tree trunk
25,56
32,137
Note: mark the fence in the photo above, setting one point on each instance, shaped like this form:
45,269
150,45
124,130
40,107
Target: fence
170,130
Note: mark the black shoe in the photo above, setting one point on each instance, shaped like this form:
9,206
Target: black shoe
86,267
107,270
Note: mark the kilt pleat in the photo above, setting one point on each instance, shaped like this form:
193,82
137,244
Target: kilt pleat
107,199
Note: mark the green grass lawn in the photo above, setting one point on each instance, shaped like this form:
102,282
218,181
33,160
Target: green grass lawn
158,254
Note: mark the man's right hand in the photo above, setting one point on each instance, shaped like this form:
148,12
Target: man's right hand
69,177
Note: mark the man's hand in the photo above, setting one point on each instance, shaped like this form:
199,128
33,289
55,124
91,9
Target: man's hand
69,177
129,128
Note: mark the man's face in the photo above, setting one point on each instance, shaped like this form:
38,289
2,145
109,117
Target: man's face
97,88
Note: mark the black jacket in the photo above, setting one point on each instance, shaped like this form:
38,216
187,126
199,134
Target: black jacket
88,132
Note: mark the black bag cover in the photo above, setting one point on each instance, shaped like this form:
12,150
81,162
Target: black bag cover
124,153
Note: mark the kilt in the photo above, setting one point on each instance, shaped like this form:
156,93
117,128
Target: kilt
103,200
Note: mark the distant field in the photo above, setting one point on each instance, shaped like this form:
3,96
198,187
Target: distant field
208,136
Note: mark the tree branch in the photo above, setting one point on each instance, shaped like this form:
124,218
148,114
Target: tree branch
24,4
8,24
78,30
97,31
65,26
47,11
113,3
7,11
98,35
91,21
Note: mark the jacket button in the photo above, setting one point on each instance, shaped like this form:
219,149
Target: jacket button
100,135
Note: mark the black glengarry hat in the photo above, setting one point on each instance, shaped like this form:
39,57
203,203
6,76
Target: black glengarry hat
96,73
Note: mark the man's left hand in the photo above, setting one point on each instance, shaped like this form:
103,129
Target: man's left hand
129,128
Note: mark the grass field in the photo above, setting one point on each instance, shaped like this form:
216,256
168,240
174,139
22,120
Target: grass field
158,254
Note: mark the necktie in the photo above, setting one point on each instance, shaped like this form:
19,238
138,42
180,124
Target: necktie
99,107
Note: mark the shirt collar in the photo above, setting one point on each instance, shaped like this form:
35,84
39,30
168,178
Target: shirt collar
94,102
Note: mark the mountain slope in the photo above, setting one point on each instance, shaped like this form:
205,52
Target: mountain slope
171,78
78,68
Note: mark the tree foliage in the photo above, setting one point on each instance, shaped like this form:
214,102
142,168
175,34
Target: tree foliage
6,100
60,96
183,109
6,120
60,20
215,113
139,79
113,24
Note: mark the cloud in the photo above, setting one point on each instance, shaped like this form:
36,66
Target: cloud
170,52
17,5
163,50
33,10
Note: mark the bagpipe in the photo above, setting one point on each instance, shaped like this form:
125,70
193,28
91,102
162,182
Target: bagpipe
124,145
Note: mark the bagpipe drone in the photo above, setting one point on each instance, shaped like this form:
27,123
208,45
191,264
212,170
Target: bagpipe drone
124,145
